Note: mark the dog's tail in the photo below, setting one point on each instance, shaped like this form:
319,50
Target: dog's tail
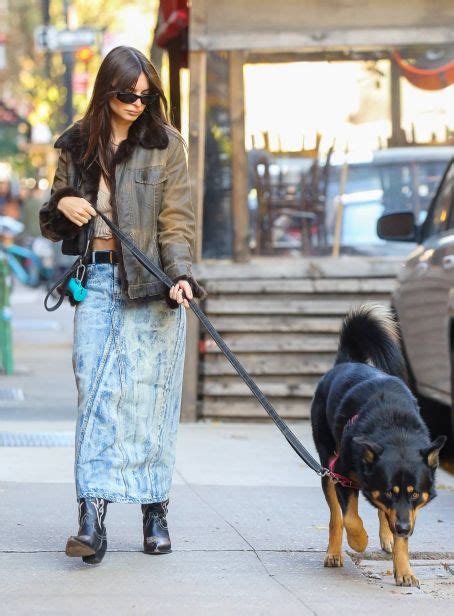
370,335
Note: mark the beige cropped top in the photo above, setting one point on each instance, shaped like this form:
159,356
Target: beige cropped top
103,205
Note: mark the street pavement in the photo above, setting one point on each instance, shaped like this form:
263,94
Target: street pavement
248,520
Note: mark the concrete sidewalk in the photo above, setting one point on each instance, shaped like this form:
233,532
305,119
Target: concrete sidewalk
248,520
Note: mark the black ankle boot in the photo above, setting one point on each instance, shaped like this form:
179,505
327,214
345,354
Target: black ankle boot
156,538
91,541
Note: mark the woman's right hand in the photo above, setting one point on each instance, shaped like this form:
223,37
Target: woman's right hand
76,209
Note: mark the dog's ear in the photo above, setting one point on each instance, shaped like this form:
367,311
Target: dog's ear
430,454
369,450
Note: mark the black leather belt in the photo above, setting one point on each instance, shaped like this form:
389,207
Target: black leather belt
103,256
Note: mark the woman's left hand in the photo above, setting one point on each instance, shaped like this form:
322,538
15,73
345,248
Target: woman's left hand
176,292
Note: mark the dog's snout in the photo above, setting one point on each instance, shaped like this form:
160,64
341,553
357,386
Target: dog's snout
403,529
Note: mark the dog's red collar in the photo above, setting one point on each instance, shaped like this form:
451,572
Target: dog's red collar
344,481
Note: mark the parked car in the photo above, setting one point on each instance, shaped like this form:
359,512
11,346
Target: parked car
424,298
376,182
386,180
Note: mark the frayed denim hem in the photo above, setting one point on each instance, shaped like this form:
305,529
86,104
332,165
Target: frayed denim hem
117,498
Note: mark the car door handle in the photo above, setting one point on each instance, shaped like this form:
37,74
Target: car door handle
448,262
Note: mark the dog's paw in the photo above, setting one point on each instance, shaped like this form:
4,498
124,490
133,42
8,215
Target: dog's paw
334,560
406,578
387,542
358,540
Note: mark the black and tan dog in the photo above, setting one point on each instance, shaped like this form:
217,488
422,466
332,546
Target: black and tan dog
364,415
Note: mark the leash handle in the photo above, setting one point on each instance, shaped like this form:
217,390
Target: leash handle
63,280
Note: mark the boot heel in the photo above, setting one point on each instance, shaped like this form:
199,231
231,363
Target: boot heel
74,547
91,542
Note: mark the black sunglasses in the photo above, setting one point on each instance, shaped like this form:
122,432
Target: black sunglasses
130,97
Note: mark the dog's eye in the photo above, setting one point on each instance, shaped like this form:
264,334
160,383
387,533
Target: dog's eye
415,495
389,494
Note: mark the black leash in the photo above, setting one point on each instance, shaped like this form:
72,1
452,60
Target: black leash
256,391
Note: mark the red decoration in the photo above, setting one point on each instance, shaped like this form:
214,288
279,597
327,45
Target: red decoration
173,21
424,78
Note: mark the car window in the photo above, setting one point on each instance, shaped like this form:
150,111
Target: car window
440,215
384,185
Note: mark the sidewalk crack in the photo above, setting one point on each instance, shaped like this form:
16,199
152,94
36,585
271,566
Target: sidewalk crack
252,549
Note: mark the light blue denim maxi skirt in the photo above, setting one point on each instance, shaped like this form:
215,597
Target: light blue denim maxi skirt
128,359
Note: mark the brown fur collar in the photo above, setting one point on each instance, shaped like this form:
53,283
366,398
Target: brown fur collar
142,133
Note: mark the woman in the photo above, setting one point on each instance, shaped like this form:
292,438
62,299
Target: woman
129,342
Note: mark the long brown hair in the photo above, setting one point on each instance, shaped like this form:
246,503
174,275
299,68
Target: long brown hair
120,70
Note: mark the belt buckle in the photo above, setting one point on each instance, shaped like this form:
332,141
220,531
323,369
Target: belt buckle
95,252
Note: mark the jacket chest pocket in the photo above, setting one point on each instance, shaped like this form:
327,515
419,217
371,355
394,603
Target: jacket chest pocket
149,185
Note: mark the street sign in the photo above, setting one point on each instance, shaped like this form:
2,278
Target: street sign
70,40
45,38
48,38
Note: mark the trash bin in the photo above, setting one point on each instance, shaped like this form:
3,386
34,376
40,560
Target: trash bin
6,346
